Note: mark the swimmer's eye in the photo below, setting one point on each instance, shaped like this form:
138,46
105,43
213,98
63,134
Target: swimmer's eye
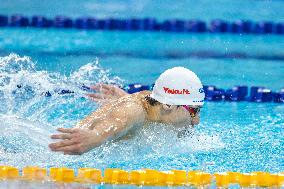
192,110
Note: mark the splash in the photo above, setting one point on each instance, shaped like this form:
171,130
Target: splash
29,117
22,86
93,73
158,147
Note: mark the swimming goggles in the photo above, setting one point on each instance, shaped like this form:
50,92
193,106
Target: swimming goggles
192,110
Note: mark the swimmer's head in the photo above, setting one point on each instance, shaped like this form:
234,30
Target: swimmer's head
178,86
179,94
174,114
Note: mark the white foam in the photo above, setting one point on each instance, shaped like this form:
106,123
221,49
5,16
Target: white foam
201,142
34,131
35,119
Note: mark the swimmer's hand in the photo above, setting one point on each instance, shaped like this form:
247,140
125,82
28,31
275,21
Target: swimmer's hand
92,132
106,92
113,125
75,141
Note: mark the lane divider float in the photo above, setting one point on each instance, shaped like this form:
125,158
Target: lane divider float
144,177
145,24
237,93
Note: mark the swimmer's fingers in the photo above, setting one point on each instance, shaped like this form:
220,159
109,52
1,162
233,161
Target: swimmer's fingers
108,91
103,88
96,96
81,141
65,130
57,146
60,136
71,149
100,86
99,98
114,90
96,87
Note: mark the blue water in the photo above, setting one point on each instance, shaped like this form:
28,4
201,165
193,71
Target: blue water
161,9
65,51
242,137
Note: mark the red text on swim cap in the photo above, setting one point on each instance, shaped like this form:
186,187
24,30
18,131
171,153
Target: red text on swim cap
176,91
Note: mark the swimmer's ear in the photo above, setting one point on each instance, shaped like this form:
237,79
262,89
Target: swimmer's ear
167,108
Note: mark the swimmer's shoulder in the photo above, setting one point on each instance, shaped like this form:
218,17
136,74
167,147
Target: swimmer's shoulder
143,94
132,98
142,100
136,96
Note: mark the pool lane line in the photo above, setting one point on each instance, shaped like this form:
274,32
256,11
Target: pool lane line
143,177
146,24
238,93
163,55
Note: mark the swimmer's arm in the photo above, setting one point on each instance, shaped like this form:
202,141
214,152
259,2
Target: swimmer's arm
99,115
106,92
119,121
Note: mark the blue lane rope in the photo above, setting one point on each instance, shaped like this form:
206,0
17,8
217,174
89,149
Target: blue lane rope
212,93
145,24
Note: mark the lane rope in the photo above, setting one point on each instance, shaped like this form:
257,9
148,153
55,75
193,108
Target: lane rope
238,93
145,24
144,177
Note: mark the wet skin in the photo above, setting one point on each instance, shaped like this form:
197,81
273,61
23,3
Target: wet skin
115,118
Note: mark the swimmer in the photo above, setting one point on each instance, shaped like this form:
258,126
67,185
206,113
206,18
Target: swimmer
176,100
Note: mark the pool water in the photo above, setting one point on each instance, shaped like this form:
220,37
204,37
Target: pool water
241,137
160,9
232,136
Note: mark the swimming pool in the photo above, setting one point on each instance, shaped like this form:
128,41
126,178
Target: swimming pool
243,137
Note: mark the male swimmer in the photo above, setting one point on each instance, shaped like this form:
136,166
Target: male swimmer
176,100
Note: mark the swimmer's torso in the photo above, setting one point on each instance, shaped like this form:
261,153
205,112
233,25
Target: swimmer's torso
105,111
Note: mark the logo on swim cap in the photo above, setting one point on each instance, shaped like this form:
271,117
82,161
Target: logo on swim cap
176,91
201,90
178,86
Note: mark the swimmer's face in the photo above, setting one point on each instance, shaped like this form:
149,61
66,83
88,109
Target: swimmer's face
178,115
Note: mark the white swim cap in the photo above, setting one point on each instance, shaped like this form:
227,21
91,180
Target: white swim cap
178,86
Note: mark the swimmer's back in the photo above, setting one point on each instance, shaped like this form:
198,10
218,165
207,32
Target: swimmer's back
102,112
